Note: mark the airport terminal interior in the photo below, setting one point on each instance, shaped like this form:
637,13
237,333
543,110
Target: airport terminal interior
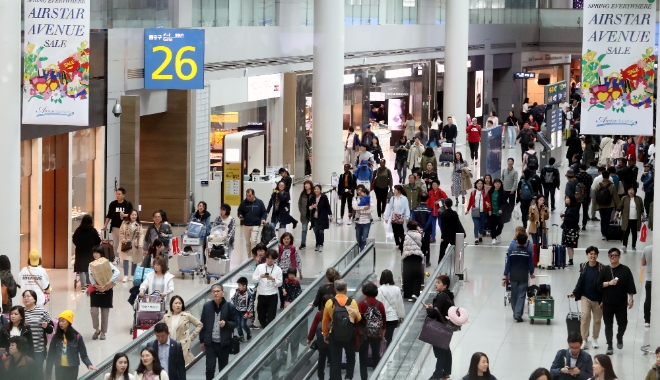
149,145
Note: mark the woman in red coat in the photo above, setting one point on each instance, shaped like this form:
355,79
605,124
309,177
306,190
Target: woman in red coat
631,153
474,136
480,205
435,195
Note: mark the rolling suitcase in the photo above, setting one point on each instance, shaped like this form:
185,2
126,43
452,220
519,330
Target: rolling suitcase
558,252
573,319
614,232
535,255
108,247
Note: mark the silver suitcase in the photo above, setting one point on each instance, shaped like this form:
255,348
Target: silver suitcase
217,267
187,262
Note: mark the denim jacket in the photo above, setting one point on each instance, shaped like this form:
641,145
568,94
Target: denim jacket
76,351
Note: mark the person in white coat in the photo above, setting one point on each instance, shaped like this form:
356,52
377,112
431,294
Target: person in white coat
159,280
412,262
606,144
398,214
390,295
415,155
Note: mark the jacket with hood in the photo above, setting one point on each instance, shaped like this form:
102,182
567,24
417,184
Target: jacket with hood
415,154
204,219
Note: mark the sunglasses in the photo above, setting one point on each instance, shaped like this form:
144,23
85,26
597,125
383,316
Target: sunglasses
613,256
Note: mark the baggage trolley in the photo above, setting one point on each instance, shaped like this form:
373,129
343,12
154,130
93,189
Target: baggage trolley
446,154
149,310
541,307
189,260
217,262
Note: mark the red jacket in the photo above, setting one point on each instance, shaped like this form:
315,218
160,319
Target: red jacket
473,133
487,204
372,301
311,336
631,153
434,196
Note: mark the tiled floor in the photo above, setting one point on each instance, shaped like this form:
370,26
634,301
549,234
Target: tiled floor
491,330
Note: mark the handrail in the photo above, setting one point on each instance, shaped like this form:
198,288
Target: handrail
253,345
105,365
445,264
272,348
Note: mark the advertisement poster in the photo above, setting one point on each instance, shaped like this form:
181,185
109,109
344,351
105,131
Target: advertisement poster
232,183
478,93
618,73
56,63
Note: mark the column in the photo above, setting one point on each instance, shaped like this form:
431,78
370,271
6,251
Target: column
10,148
655,267
456,56
328,89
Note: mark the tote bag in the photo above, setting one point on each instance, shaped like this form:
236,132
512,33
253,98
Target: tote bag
436,333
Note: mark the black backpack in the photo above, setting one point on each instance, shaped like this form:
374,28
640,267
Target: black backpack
603,195
267,233
549,174
343,329
532,159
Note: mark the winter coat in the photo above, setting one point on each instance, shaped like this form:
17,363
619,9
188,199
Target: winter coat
413,195
486,197
574,145
590,151
153,233
324,211
415,154
537,219
441,303
617,149
8,280
606,147
282,215
181,333
615,202
401,153
412,245
624,209
352,184
450,226
26,368
425,160
466,179
303,201
132,232
434,197
85,239
651,375
26,333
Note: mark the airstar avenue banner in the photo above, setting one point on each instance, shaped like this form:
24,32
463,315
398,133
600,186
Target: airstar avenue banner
56,62
618,74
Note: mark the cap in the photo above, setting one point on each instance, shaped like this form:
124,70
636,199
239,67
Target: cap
67,315
570,173
34,257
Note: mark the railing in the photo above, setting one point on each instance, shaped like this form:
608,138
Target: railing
400,361
276,355
194,306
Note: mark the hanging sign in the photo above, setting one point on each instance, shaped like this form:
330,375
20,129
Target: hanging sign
232,183
174,59
56,63
478,90
618,73
555,93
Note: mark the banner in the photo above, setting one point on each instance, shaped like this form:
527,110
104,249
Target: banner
56,62
478,90
618,74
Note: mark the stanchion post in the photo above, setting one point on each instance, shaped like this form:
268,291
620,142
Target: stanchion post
459,252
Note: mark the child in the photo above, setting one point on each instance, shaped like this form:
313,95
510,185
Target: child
288,258
316,333
243,300
291,287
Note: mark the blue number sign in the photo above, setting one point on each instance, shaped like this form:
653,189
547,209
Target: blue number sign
174,59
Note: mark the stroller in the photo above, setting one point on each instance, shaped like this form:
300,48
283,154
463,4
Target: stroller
364,174
446,154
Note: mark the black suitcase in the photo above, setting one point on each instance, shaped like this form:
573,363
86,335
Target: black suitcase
446,157
573,319
614,232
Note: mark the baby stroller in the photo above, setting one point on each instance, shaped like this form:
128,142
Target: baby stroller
364,174
446,154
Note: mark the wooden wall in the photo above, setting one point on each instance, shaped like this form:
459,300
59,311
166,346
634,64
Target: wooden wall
55,203
129,148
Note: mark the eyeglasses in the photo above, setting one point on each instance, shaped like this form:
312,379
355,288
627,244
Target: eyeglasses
613,256
216,291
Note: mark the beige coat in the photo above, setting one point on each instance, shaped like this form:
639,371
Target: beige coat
182,332
537,219
466,179
132,232
415,155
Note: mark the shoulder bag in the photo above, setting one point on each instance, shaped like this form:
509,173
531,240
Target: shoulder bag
436,333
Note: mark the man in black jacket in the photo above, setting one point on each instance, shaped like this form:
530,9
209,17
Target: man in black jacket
449,131
533,180
587,292
169,352
252,214
587,180
574,362
617,285
449,227
525,136
422,215
219,321
346,190
550,179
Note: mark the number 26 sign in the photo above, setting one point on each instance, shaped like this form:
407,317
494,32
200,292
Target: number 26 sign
174,59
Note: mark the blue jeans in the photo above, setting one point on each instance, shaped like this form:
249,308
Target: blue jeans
303,238
479,224
443,362
133,266
434,220
512,135
242,325
361,234
83,279
518,294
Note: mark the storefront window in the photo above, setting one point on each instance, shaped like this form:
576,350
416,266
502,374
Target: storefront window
544,76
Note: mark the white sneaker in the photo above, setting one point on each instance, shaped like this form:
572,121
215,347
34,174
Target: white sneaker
584,344
350,221
647,325
340,222
379,219
495,241
124,280
594,343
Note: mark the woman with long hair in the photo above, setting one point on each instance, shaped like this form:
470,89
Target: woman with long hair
456,176
16,327
288,257
488,182
331,275
401,161
525,109
67,349
540,374
498,201
412,262
303,201
376,149
120,368
229,222
155,250
130,243
84,238
202,216
410,126
398,214
480,202
512,129
40,323
428,157
479,368
320,213
179,322
101,297
390,295
538,216
281,206
7,280
570,227
160,230
603,369
150,367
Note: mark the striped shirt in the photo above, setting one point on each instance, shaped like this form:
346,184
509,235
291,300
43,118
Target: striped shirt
34,318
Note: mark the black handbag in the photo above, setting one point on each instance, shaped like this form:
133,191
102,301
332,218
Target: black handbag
217,252
436,333
235,345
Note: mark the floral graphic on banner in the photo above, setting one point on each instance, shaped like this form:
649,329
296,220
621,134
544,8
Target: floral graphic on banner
629,87
66,79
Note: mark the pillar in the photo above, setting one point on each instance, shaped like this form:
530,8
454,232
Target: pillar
10,143
655,267
456,56
328,89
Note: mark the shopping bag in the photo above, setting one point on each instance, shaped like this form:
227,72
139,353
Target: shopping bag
140,274
517,214
643,233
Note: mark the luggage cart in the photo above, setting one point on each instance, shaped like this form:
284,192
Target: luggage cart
190,260
217,262
446,154
149,310
541,306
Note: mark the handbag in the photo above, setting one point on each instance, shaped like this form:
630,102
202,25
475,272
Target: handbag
397,218
475,212
436,333
126,246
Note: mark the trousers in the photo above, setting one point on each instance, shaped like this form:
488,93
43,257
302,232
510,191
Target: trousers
336,348
104,318
496,226
442,363
364,353
266,309
585,211
605,217
65,373
632,227
590,308
647,302
215,352
397,230
251,234
474,150
381,199
620,312
361,234
347,197
518,294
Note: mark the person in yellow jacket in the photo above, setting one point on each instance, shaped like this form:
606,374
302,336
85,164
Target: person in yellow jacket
342,334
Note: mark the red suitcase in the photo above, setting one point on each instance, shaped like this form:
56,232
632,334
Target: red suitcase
535,254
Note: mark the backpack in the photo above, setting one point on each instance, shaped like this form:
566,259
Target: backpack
267,233
532,159
320,342
603,195
549,176
373,321
526,193
580,192
343,329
